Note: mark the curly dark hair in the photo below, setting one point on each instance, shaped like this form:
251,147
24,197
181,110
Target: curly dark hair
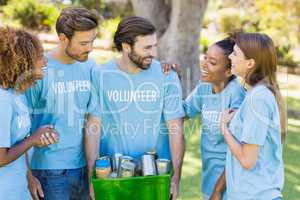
19,51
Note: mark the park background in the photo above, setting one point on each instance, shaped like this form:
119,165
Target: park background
185,29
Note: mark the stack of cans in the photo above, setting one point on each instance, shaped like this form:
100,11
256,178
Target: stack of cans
126,166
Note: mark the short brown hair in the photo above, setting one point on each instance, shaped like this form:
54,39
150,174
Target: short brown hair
18,52
73,19
131,27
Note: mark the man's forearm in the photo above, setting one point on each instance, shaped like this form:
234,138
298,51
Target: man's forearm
91,143
177,144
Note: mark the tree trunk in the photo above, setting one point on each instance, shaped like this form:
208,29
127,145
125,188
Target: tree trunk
178,23
98,5
157,11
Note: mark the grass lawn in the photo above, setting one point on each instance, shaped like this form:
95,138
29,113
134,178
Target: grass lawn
190,185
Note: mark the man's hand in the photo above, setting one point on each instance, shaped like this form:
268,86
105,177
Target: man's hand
35,187
174,187
92,193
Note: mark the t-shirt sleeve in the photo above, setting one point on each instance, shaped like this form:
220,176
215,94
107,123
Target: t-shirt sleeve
173,104
192,104
33,95
257,119
94,101
6,112
238,96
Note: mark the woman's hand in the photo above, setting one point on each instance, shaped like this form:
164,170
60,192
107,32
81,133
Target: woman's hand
34,187
167,67
226,117
44,136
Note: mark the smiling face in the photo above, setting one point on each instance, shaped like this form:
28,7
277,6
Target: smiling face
240,64
143,51
215,67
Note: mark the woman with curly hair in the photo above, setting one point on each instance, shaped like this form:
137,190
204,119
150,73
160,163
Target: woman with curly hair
21,62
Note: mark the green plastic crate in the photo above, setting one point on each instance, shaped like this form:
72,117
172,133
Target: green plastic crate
133,188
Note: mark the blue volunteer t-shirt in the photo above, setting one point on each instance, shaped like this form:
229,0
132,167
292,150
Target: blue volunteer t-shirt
210,105
257,122
61,99
134,108
14,126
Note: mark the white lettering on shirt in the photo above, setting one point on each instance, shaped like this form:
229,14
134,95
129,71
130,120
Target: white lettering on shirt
71,86
132,96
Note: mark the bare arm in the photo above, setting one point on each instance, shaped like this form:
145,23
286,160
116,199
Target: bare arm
221,183
34,184
219,188
8,155
247,154
92,142
177,147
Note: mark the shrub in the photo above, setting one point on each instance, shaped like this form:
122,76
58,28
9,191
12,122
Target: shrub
285,57
3,2
108,28
229,20
32,14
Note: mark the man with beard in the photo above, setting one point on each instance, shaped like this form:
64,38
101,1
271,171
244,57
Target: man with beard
140,108
58,172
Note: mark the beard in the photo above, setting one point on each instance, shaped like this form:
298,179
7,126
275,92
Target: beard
139,60
78,57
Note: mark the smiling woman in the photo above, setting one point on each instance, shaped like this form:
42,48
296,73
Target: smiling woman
21,63
255,133
218,90
216,67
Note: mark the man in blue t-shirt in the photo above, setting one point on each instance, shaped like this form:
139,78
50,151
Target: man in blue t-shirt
58,172
140,108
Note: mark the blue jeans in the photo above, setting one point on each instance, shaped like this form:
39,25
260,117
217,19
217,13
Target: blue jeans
64,184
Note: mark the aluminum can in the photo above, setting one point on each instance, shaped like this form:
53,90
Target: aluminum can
115,161
148,165
163,166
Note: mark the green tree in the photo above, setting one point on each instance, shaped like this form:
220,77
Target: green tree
91,4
